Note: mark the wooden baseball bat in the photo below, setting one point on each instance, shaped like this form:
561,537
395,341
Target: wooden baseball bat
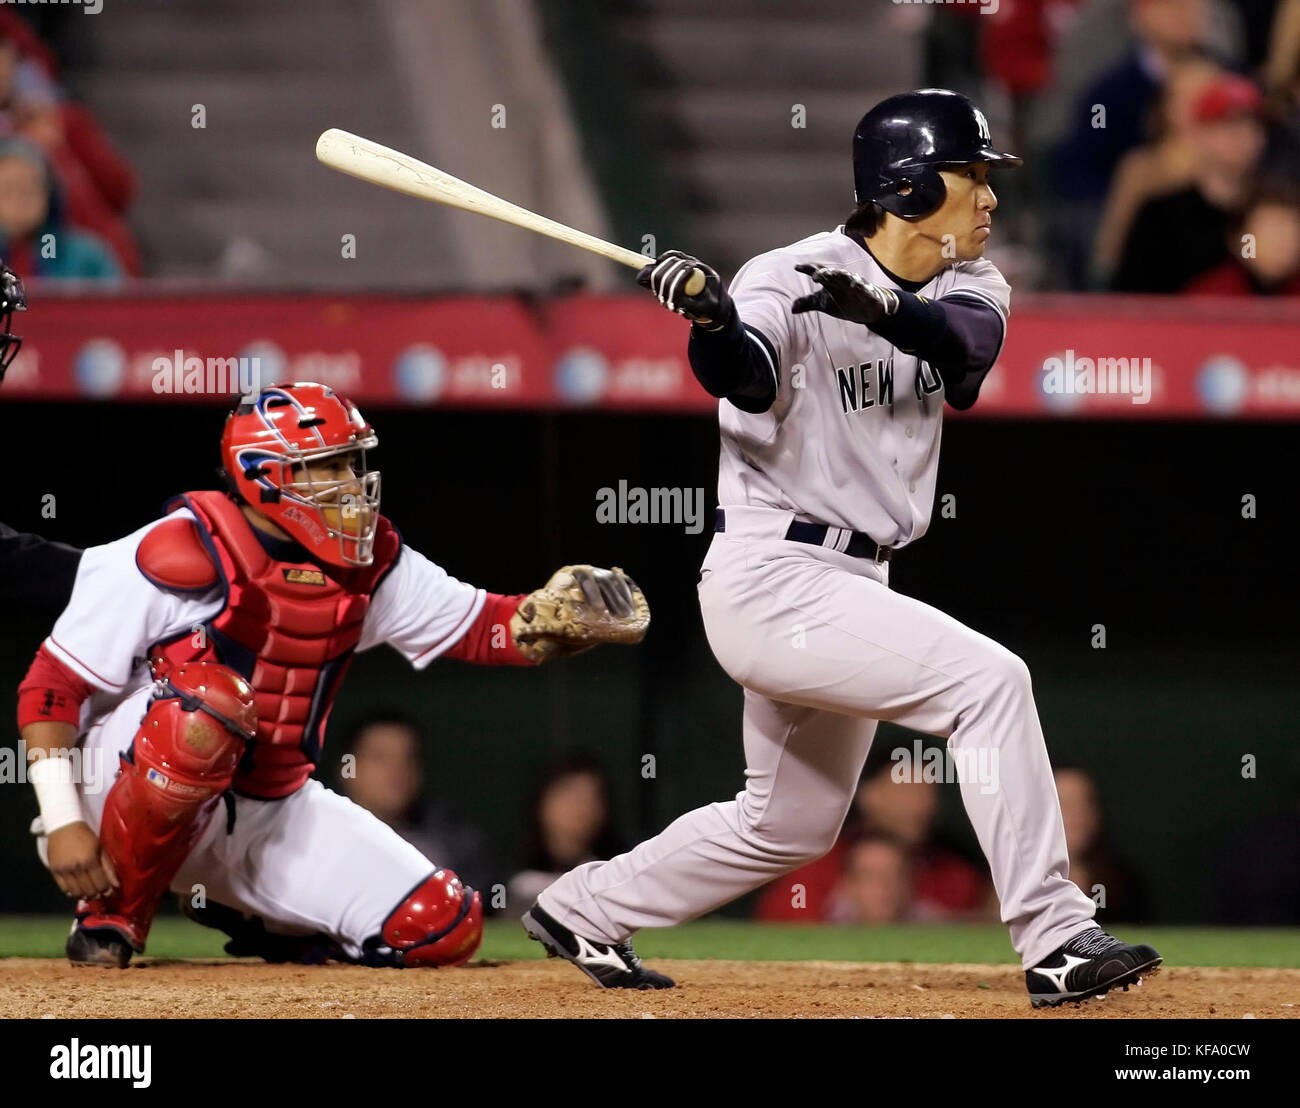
359,157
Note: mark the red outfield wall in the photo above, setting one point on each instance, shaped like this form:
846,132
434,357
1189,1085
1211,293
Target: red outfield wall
1065,357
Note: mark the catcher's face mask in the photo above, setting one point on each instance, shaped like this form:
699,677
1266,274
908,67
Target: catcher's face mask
297,453
327,500
13,298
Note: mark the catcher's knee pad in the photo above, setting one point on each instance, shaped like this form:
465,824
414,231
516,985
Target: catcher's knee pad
440,923
183,756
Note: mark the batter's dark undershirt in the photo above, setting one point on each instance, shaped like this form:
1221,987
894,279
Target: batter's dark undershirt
958,336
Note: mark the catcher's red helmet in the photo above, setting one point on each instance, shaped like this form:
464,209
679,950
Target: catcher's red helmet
267,448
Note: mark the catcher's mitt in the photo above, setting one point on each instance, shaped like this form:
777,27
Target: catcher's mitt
578,608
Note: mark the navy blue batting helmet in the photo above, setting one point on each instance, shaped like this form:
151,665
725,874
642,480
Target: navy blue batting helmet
901,144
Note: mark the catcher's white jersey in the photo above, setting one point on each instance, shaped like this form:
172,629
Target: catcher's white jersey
115,614
853,437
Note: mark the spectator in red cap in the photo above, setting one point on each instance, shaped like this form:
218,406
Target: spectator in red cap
1165,164
1230,97
1165,32
1179,236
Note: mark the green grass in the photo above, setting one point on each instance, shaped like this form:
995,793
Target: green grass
173,937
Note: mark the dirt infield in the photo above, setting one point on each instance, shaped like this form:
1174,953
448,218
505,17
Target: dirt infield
713,989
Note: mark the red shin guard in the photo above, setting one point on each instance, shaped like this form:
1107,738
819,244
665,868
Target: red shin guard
182,759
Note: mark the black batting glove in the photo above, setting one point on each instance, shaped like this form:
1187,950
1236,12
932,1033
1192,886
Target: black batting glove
666,277
845,295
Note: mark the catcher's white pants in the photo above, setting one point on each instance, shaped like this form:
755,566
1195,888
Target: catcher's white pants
824,650
313,861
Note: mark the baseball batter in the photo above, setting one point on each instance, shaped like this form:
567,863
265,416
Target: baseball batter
192,673
832,359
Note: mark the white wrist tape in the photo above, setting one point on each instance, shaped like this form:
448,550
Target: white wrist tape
56,792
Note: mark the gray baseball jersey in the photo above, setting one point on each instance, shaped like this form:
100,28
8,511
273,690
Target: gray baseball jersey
852,439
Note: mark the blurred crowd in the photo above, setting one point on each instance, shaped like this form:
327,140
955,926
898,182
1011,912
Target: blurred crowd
568,817
1162,144
891,864
64,189
1162,137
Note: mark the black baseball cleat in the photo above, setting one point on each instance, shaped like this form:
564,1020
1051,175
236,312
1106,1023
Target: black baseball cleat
611,967
1090,964
98,946
249,937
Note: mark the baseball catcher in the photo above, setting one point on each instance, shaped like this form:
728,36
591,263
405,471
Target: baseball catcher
200,656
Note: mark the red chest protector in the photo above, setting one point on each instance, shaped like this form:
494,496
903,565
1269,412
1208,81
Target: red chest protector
289,628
